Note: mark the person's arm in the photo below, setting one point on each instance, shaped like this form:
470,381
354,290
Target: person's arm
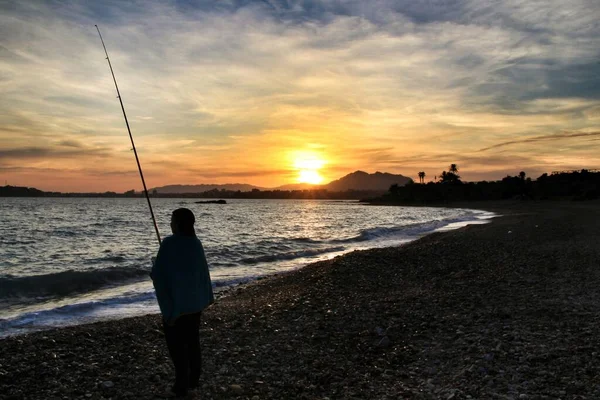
208,283
160,280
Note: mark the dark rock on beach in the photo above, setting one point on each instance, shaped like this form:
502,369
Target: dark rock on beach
211,202
508,310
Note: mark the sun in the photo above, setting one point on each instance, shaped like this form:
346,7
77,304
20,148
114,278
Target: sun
309,176
308,165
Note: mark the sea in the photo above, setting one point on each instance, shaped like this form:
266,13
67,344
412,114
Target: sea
68,261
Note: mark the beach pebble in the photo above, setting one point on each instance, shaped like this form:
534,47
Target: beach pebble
236,389
384,342
107,385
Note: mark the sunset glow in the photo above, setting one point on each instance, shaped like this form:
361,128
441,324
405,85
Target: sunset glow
310,176
272,93
308,164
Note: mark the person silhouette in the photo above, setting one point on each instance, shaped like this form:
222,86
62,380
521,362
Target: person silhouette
183,289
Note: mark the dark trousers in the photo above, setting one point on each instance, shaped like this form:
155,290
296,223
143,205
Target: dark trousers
183,342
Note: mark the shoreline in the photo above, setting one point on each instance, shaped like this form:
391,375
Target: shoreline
14,326
507,309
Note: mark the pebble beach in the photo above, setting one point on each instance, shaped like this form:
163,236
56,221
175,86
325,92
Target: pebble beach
505,310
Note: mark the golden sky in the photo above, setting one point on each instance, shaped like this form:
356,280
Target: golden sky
273,92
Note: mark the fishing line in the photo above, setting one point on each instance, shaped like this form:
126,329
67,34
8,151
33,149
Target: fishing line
130,136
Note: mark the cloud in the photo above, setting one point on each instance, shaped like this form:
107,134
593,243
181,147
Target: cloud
70,150
71,143
224,173
544,138
236,85
81,172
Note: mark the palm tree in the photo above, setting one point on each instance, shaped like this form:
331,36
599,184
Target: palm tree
424,175
421,176
522,175
453,168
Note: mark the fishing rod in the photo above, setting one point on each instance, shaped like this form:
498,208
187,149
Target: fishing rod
130,137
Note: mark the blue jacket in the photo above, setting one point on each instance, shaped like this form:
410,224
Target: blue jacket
181,278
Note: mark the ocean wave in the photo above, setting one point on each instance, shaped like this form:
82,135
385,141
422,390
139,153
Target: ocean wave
290,255
305,240
16,242
66,282
115,259
409,230
98,224
73,313
64,233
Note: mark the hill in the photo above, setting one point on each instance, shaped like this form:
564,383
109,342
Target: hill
18,191
360,180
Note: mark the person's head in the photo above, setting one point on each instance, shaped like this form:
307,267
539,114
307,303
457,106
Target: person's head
182,222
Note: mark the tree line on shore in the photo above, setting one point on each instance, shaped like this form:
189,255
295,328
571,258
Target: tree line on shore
447,187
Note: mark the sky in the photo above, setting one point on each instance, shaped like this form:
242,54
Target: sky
274,92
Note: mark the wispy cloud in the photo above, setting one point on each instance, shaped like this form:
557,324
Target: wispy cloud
544,138
66,150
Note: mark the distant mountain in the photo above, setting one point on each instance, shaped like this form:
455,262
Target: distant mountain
169,189
360,180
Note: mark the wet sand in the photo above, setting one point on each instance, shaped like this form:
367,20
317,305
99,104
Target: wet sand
507,310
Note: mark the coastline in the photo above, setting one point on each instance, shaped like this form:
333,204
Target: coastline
501,310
